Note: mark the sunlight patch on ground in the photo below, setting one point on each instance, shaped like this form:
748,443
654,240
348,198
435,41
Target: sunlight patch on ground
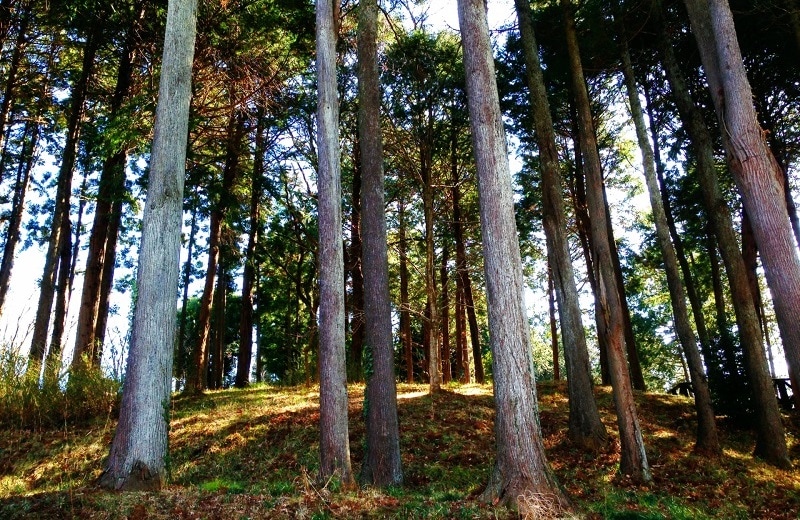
412,395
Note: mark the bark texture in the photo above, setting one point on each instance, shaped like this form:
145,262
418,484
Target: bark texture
521,473
382,466
138,455
585,427
334,441
633,460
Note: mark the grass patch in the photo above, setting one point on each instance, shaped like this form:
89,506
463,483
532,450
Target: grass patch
254,453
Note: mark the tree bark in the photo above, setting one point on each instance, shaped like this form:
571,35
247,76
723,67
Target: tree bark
334,440
138,458
432,304
447,372
62,203
405,310
755,170
248,276
355,267
521,472
707,438
551,303
771,440
633,460
382,464
106,219
585,427
182,344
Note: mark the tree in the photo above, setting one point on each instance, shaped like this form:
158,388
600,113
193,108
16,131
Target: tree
707,439
585,427
521,468
633,461
382,466
334,442
755,170
138,457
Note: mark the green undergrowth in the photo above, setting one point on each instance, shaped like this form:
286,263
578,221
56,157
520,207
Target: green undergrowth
253,453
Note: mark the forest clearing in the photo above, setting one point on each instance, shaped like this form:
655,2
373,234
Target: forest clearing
253,453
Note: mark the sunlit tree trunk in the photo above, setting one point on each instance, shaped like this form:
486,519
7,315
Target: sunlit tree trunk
633,460
521,469
334,440
138,457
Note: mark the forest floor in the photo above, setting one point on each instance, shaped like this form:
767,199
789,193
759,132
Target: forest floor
253,453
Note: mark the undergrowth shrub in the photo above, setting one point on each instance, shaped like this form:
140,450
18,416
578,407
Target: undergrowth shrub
35,398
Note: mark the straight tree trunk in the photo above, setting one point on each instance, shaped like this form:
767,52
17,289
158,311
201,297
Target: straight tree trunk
196,378
405,309
138,457
635,367
111,189
249,274
633,460
462,354
551,301
432,304
755,170
9,94
771,440
182,347
707,438
447,372
27,158
354,260
62,203
334,440
382,464
217,341
585,427
521,471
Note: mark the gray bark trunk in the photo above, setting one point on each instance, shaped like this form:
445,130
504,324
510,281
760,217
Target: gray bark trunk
633,457
521,471
382,465
138,458
334,441
585,427
707,438
771,440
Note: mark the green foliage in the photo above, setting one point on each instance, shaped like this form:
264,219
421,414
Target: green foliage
29,400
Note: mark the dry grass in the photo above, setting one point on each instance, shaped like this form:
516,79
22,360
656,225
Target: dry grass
253,453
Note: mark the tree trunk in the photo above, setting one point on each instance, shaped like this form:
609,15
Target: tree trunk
217,342
462,354
248,276
633,461
138,458
551,303
405,309
62,203
11,74
334,441
111,189
771,441
182,370
635,367
432,304
354,260
755,170
585,427
447,372
707,438
24,168
382,465
521,472
688,277
196,380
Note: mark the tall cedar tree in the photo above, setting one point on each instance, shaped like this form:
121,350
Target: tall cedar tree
707,439
758,175
138,458
585,427
771,439
334,441
382,466
521,470
633,460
